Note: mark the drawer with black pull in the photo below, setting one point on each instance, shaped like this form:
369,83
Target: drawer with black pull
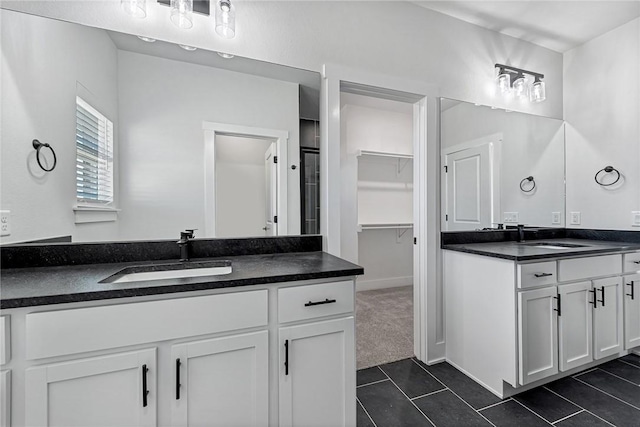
537,274
631,262
311,301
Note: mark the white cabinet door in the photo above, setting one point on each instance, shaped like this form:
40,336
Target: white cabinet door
5,398
538,334
607,317
222,381
574,325
113,390
317,374
631,289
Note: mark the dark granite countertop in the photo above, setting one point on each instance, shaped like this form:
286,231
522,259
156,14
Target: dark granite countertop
528,252
24,287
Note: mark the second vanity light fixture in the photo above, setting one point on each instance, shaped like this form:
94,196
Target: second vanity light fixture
511,81
182,13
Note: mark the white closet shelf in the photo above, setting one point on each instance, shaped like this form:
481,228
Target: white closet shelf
384,154
397,226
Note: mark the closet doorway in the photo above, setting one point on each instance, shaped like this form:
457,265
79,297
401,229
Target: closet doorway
377,222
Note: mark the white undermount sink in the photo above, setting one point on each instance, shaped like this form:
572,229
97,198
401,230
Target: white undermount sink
170,271
552,245
548,247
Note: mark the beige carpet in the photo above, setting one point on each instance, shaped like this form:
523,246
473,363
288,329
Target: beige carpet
384,326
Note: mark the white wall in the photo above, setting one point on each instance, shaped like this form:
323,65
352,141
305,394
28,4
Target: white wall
372,191
162,141
602,111
45,64
394,38
531,145
240,186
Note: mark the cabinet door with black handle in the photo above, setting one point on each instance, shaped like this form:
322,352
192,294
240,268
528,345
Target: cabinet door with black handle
631,297
607,317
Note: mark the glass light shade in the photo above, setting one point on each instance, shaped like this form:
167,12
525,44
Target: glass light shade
225,19
538,93
182,13
520,89
504,83
135,8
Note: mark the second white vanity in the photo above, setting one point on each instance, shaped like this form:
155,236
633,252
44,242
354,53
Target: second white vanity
520,316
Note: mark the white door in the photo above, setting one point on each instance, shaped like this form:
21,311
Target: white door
468,181
271,179
109,391
317,374
538,334
607,317
221,382
574,325
631,289
5,398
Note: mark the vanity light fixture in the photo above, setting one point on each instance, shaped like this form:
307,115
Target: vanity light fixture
182,13
225,19
135,8
146,39
226,55
512,81
189,48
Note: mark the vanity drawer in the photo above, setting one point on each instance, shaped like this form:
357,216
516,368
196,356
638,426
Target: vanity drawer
631,262
311,301
537,274
588,267
57,333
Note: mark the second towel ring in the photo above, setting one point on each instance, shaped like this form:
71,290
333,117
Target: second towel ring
38,145
607,169
524,181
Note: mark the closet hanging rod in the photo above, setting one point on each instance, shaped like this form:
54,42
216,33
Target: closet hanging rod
384,154
405,225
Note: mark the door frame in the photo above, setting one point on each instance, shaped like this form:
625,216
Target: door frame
281,139
428,293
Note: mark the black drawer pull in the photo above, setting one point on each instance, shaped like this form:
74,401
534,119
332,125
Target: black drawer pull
178,385
286,357
636,262
632,294
594,301
543,274
327,301
559,309
602,300
145,392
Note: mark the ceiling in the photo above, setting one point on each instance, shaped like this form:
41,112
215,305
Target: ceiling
556,25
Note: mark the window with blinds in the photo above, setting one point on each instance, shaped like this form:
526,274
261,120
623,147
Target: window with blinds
94,156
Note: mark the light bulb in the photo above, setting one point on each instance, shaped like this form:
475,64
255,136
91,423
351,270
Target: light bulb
147,39
520,87
135,8
225,19
181,13
189,48
226,55
504,82
538,93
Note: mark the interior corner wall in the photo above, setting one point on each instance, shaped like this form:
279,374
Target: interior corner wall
162,141
45,65
602,111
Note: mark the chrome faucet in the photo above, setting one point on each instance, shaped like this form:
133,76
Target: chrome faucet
184,243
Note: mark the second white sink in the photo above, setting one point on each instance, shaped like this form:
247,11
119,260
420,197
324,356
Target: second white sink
170,271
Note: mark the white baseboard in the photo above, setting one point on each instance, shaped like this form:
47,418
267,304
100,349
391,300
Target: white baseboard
389,282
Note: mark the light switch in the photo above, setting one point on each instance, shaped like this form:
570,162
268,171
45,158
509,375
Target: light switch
5,223
510,217
575,218
556,218
635,218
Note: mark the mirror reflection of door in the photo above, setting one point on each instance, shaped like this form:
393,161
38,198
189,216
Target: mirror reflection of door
271,194
469,189
245,186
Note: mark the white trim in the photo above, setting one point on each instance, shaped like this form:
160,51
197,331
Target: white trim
89,214
281,138
427,285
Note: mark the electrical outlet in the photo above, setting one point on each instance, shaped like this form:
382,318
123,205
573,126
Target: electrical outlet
575,218
510,217
5,223
555,218
635,218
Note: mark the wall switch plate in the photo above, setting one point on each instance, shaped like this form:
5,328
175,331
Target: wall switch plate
510,217
556,219
575,218
635,218
5,223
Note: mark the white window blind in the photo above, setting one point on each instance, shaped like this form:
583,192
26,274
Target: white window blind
94,156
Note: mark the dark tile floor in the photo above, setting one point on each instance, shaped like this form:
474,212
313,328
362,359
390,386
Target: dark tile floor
410,393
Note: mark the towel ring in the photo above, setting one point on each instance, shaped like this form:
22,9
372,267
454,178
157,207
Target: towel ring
38,146
524,181
607,169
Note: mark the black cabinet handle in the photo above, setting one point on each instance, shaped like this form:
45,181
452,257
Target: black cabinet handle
602,300
594,301
632,294
559,309
178,385
327,301
145,392
636,262
543,274
286,357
